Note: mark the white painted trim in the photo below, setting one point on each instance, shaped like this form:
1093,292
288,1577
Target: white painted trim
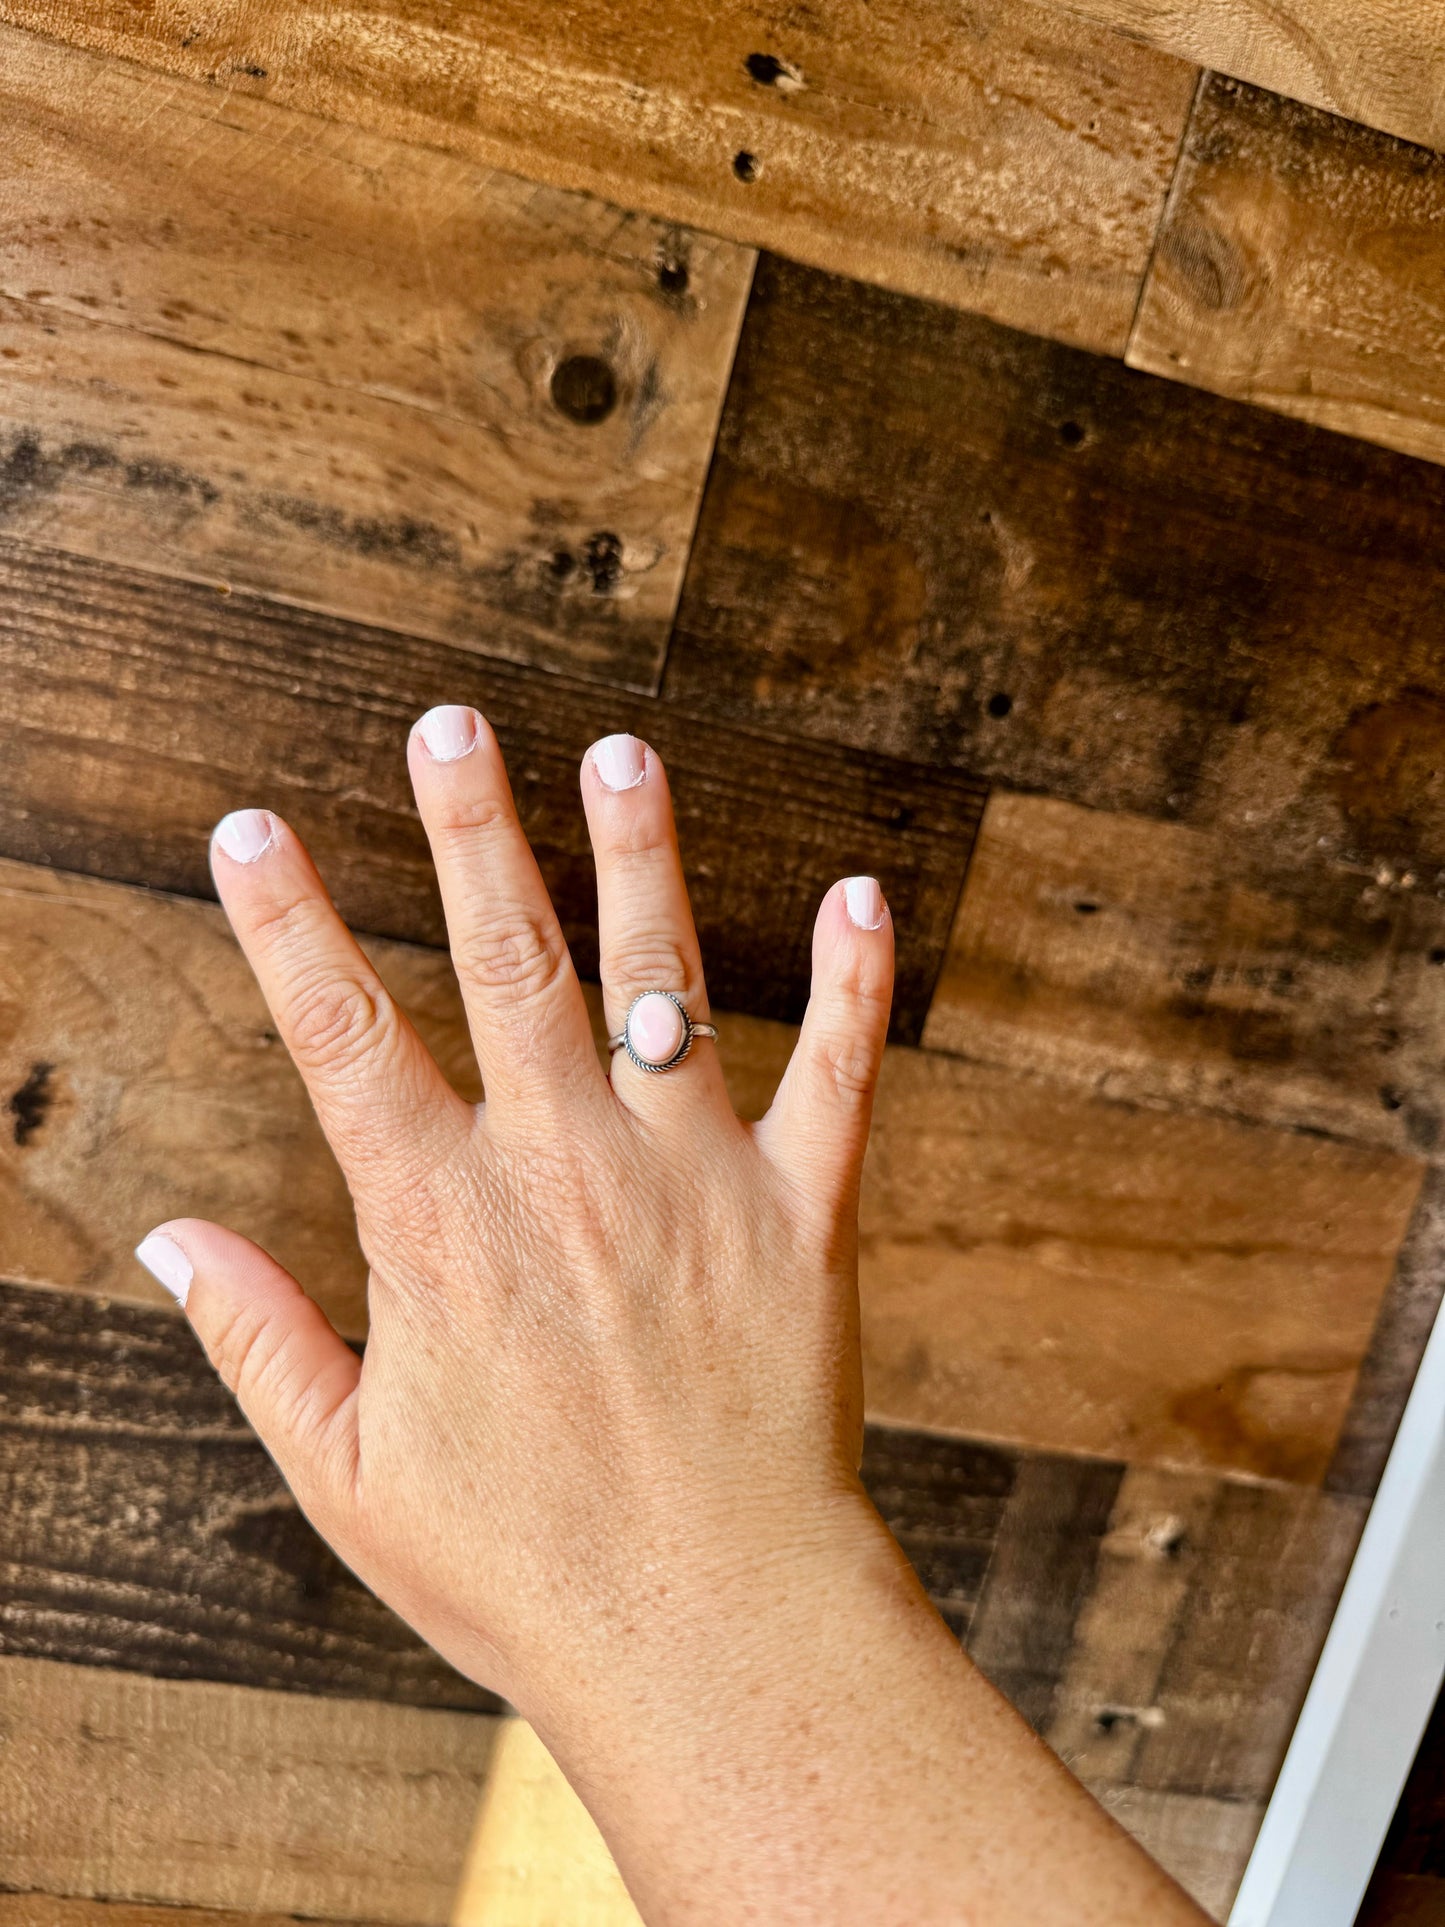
1372,1692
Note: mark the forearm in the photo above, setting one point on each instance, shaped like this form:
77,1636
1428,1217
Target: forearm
810,1745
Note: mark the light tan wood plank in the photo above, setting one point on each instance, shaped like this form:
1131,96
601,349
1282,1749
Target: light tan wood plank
1181,967
53,1910
120,1787
1001,156
241,344
1037,1267
1300,266
1204,1843
536,1857
1382,62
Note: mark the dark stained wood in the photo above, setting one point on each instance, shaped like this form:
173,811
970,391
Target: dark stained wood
1299,267
148,1530
145,1526
134,712
930,536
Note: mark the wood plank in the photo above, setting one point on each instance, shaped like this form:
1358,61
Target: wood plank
1192,1290
188,1794
1084,1277
1299,266
147,1528
1071,577
1383,64
54,1910
134,712
999,156
1160,1631
1204,1843
1170,966
254,348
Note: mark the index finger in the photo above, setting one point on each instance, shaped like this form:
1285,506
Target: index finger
378,1092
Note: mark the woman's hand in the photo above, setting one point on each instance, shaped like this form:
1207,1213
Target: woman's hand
602,1449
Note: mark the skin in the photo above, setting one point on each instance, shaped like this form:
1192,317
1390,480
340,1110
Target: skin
602,1450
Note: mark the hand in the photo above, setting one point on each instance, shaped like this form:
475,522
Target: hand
602,1448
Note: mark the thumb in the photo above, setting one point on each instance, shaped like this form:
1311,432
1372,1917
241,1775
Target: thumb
294,1377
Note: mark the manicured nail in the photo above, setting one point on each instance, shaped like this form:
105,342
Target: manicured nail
450,733
246,834
621,761
167,1264
865,902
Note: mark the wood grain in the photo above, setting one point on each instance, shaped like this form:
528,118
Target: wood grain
1204,1843
1383,64
1158,1628
1299,266
1231,1276
1172,966
188,1794
1000,156
135,712
935,537
54,1910
250,347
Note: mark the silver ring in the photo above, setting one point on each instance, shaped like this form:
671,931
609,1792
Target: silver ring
625,1040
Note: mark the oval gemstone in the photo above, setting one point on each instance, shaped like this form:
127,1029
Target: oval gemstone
654,1028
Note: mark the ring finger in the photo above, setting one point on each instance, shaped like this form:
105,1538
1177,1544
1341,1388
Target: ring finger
647,937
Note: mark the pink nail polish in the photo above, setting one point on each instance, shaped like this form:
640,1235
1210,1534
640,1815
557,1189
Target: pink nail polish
167,1264
865,902
620,761
245,835
450,732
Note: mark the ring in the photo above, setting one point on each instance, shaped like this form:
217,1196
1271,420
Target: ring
658,1033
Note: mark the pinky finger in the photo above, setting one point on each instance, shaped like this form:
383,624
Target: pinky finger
293,1375
817,1129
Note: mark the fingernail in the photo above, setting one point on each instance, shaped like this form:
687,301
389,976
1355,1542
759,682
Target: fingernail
621,761
450,733
865,902
246,834
167,1264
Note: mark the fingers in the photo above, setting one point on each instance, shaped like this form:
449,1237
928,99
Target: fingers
381,1099
647,938
524,1003
294,1378
817,1128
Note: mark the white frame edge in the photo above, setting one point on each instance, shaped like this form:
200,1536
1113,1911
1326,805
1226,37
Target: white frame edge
1371,1694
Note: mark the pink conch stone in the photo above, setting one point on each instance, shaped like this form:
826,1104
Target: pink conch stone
655,1028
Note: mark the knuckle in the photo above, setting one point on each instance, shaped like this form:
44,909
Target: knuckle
467,819
850,1068
245,1352
337,1022
521,960
651,960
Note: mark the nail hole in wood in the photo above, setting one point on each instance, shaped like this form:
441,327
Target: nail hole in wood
1000,705
584,388
1071,434
745,166
672,277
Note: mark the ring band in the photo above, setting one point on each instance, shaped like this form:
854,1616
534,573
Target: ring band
659,1032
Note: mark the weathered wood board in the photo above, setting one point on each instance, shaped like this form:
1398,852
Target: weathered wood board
1037,1266
1299,266
54,1910
122,1787
1168,965
1001,156
257,349
134,712
1157,1628
932,536
1382,63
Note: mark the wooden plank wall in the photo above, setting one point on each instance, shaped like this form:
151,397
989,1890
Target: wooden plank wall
354,363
